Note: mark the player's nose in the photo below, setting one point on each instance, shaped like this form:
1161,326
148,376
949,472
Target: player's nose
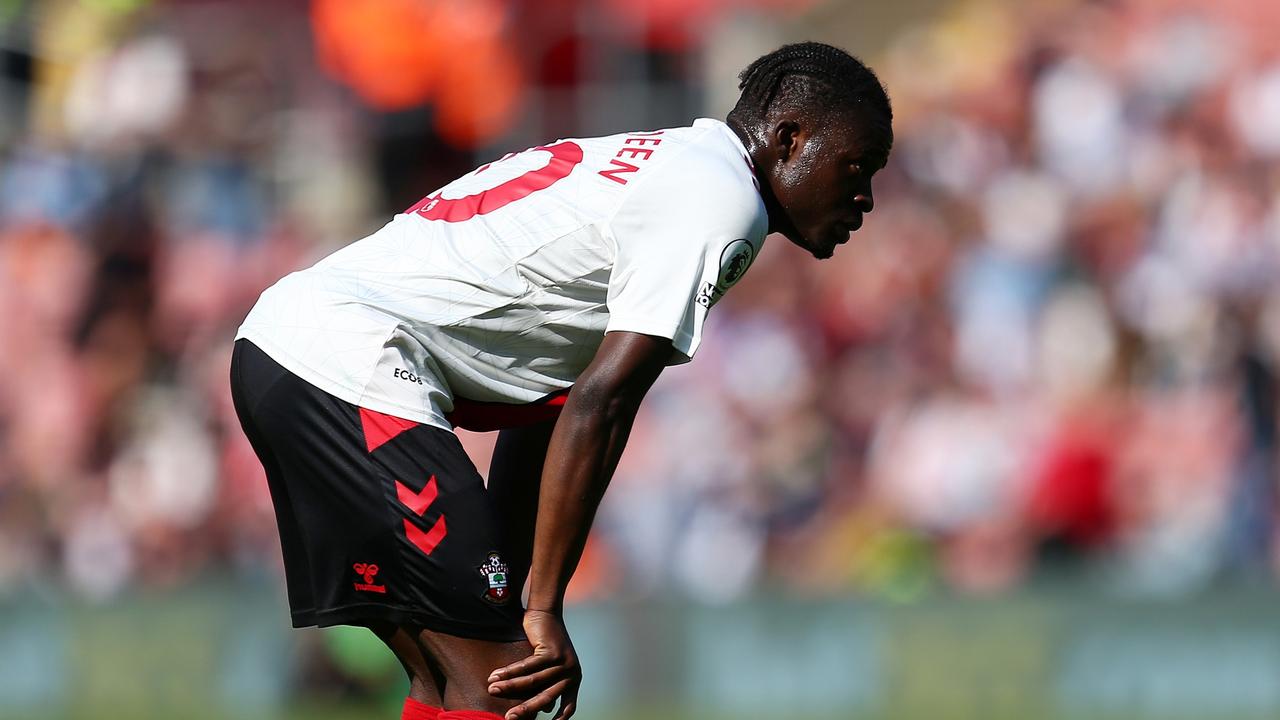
864,202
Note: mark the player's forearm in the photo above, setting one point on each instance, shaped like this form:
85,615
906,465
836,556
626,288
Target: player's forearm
584,451
514,475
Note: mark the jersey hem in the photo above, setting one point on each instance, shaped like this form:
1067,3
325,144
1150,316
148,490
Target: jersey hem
681,342
317,380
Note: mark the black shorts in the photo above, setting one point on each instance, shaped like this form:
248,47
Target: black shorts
381,519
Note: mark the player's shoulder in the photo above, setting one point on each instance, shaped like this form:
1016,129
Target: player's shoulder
705,189
703,164
709,149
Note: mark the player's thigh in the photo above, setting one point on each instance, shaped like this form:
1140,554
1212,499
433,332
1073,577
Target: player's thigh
253,375
454,542
426,681
466,664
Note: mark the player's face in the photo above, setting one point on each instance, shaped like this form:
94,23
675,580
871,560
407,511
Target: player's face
823,185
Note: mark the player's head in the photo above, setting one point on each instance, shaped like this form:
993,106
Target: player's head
818,124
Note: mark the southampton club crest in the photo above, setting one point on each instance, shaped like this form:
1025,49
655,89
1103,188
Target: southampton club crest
495,572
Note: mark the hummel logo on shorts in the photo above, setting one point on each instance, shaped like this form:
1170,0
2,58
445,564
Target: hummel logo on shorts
367,571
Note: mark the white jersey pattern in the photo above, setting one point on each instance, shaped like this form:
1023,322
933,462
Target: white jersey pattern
498,288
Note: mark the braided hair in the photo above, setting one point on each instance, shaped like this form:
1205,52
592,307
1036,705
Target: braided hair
815,76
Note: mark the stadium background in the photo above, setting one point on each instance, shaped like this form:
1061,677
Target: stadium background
1011,454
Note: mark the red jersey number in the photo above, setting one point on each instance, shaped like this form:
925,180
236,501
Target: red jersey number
565,156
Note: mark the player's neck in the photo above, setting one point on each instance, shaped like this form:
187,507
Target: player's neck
756,152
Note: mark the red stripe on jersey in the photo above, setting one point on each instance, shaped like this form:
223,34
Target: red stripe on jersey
380,427
488,416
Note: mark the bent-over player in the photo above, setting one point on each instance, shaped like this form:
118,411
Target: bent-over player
540,295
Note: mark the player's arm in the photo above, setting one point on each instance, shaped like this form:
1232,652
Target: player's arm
514,475
584,451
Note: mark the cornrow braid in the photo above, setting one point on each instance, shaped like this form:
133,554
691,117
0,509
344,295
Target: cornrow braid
821,76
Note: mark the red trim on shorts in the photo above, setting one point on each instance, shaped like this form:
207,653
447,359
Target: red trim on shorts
486,416
380,427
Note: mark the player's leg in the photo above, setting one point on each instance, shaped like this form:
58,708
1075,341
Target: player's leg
465,550
251,379
514,476
466,664
331,508
426,682
397,529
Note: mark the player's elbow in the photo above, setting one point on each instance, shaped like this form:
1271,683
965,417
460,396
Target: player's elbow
607,400
624,368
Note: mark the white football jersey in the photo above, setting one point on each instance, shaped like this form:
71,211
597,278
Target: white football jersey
480,305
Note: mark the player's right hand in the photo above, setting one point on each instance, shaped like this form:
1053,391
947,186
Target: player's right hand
551,672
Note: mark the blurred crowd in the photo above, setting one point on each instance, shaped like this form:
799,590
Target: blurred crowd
1051,350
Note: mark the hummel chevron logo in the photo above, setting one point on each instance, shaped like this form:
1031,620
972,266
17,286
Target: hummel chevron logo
419,502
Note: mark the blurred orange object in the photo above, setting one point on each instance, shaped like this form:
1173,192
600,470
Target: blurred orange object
398,54
678,24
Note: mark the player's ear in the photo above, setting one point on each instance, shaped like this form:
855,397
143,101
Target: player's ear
787,138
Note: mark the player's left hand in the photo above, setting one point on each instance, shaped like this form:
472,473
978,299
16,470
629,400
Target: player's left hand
551,672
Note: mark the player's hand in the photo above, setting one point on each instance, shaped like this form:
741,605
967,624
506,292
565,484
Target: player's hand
551,672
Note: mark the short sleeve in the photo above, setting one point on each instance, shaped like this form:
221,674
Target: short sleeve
684,237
